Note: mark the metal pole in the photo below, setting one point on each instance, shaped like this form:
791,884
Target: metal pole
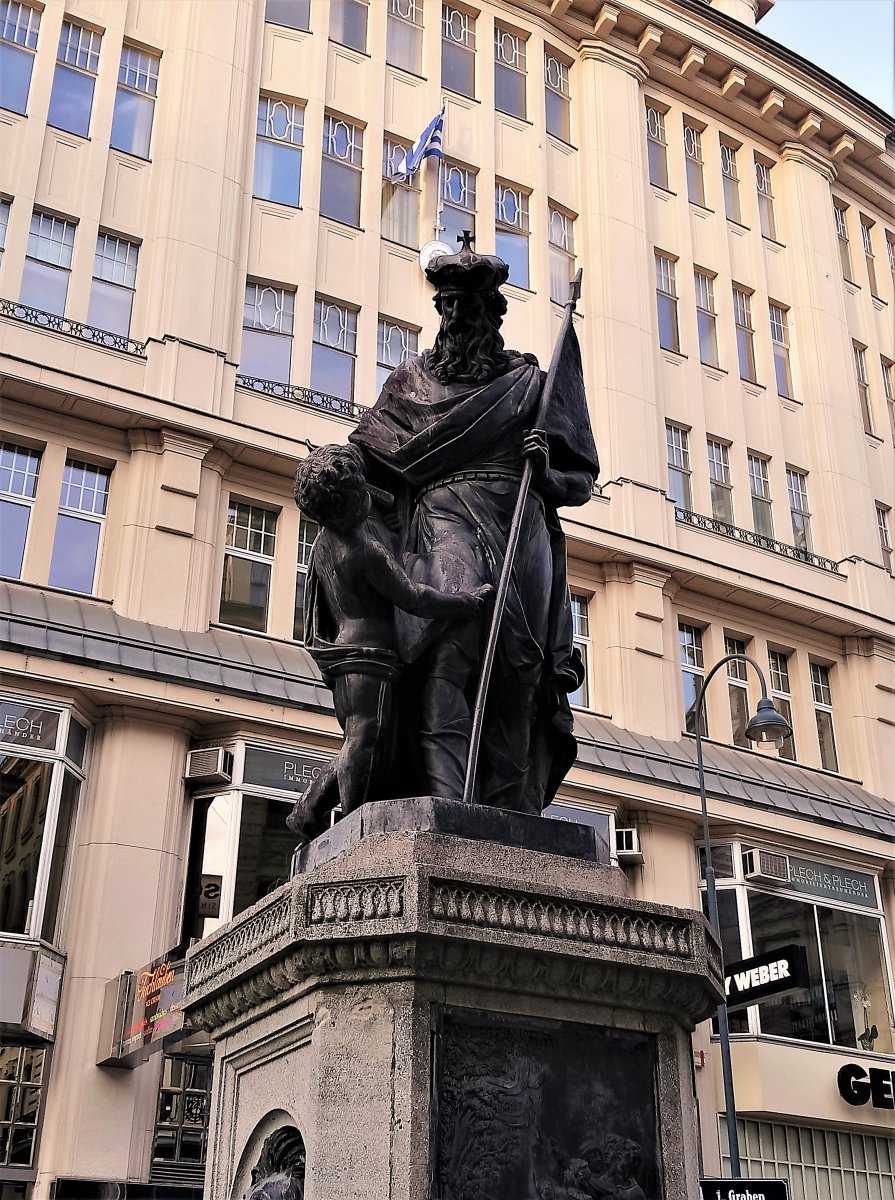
730,1108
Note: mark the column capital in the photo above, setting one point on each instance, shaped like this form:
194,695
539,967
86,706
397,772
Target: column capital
807,157
599,51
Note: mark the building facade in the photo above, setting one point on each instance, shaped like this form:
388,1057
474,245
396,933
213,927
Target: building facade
206,268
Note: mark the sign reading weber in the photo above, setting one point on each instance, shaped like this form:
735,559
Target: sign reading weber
765,975
744,1189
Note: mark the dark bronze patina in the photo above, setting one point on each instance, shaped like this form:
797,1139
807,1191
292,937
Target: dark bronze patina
460,465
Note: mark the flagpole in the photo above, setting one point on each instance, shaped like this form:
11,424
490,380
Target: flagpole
503,586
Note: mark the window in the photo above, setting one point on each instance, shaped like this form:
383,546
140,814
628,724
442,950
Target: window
509,72
511,237
867,241
885,537
705,318
38,805
19,469
580,698
340,176
248,561
797,486
332,355
778,668
737,679
400,197
760,487
678,446
765,200
77,63
404,35
294,14
692,671
280,136
890,251
19,26
457,51
888,369
834,912
4,222
863,386
48,263
823,714
780,339
395,343
742,316
135,101
267,320
348,23
82,510
457,201
561,245
731,182
666,303
693,155
557,97
656,146
114,280
839,211
21,1077
307,533
719,481
181,1123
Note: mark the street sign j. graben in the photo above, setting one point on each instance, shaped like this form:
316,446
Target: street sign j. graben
744,1189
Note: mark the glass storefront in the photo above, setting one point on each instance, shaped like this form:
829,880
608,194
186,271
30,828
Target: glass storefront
835,914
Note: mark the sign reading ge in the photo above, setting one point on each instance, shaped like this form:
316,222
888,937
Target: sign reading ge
857,1085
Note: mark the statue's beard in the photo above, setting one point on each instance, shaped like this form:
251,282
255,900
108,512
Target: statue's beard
468,347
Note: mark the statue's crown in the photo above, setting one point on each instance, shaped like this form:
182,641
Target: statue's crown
467,271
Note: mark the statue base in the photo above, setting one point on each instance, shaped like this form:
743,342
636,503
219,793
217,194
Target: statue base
450,1003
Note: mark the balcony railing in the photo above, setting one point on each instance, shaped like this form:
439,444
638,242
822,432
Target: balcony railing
76,329
713,525
335,406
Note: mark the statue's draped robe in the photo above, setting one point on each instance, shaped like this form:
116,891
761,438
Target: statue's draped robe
452,455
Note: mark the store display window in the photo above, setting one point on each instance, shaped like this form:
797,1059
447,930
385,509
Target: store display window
768,899
240,847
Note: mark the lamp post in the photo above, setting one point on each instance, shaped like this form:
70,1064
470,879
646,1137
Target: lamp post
767,725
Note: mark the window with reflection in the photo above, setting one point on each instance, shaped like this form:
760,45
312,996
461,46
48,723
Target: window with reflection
340,173
79,526
38,807
831,911
294,14
47,270
511,231
458,201
333,350
22,1071
395,343
404,35
267,321
77,62
400,195
307,533
248,562
457,50
348,23
557,100
19,27
279,138
135,101
181,1124
19,469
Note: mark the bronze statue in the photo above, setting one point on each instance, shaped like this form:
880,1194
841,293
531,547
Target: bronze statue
279,1173
449,439
355,586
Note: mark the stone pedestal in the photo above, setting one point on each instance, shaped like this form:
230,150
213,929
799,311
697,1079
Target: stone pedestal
455,1004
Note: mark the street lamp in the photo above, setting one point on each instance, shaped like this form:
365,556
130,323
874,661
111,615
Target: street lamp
767,725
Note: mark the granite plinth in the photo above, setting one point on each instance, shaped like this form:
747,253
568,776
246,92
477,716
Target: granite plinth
435,814
419,1002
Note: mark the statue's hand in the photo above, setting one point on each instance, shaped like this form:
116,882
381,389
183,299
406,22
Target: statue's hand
484,593
534,446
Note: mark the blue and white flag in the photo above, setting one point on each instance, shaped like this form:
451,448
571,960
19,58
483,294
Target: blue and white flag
427,145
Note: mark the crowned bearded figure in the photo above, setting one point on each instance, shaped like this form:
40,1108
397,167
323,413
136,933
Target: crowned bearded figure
448,437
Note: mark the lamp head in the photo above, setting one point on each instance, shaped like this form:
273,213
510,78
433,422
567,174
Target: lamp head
768,725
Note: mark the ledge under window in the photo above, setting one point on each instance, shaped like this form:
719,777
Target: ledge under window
334,406
684,516
74,329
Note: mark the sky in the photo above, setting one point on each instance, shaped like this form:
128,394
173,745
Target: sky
851,39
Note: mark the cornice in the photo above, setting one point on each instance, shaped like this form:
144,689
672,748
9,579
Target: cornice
593,50
798,152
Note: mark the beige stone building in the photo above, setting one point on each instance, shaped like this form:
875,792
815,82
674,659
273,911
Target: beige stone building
205,269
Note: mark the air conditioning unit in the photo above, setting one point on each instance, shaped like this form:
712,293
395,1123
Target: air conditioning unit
627,847
763,866
212,765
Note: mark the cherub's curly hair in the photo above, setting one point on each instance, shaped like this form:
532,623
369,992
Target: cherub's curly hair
468,347
327,482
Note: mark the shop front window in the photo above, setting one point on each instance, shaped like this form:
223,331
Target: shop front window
38,805
241,849
21,1078
181,1126
833,913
